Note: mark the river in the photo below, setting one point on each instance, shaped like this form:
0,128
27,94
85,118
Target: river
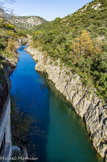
61,135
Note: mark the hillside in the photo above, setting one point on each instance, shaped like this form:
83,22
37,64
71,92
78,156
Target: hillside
80,41
27,22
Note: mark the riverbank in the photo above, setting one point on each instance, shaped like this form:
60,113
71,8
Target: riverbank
84,100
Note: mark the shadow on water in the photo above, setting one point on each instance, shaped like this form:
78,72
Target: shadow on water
60,135
67,138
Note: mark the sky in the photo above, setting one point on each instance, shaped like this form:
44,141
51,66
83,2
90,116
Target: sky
48,9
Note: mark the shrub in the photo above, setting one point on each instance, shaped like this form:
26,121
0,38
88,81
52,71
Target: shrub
56,63
9,26
11,47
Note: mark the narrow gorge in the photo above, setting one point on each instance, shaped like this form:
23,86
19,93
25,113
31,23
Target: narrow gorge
57,129
53,81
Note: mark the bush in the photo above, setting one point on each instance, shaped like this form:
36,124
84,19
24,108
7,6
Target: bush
9,26
3,43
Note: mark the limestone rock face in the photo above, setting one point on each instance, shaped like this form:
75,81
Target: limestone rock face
27,22
84,100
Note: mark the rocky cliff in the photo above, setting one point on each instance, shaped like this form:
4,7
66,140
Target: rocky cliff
27,22
84,100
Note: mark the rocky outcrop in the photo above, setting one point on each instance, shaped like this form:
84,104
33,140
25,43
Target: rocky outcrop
27,22
84,100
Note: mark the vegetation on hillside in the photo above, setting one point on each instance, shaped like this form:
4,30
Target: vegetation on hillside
80,41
